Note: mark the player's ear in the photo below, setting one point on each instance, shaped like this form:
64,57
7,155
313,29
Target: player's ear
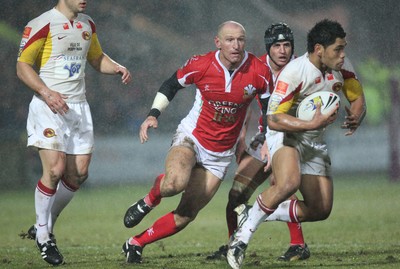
217,42
318,49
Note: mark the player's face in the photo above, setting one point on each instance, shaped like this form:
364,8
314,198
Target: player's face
280,53
76,6
333,56
231,42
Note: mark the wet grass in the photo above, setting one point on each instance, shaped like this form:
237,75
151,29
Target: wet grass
363,231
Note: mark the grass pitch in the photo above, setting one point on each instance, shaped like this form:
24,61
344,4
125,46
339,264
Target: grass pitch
363,231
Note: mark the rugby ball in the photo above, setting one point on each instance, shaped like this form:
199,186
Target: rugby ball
329,101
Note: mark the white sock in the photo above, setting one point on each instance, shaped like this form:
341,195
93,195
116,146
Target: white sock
63,196
43,197
256,217
284,211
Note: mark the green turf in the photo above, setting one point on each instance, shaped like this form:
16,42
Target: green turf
363,231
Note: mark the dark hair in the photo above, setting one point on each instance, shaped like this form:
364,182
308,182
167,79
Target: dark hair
324,33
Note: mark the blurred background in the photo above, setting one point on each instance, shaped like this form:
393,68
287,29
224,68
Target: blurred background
153,38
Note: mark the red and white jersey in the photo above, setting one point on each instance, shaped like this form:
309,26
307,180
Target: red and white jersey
60,48
301,78
222,99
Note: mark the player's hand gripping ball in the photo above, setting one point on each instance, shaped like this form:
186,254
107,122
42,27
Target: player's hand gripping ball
329,101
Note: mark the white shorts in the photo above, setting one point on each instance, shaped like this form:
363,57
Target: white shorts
215,162
71,133
314,157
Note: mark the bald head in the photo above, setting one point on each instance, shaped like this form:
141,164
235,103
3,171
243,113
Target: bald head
229,26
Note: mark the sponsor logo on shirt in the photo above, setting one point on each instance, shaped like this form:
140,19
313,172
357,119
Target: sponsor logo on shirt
281,87
74,68
274,102
225,111
27,32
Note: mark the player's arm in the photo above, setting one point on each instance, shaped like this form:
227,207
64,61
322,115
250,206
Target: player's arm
28,75
283,122
53,99
353,91
164,95
102,63
279,120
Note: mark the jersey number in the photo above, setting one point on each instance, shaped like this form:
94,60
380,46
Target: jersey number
218,117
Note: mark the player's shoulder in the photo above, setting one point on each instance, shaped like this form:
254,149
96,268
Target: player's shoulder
198,61
256,61
84,17
43,19
347,65
263,58
252,57
296,64
201,58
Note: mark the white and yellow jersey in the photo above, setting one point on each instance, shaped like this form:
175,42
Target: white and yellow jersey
301,78
60,49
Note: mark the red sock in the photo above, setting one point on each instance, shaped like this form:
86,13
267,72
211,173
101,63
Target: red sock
295,230
153,198
296,233
162,228
231,220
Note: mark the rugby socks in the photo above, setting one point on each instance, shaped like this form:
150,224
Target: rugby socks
287,211
231,219
257,215
296,234
43,198
162,228
153,198
65,193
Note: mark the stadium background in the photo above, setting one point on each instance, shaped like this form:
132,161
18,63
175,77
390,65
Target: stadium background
152,38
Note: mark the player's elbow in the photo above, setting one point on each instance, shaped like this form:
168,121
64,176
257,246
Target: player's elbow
272,122
19,69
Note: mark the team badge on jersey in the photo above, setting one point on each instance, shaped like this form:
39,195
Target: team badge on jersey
249,91
49,132
86,35
337,86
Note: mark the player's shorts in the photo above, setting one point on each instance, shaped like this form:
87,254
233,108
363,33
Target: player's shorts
314,157
255,152
215,162
71,133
